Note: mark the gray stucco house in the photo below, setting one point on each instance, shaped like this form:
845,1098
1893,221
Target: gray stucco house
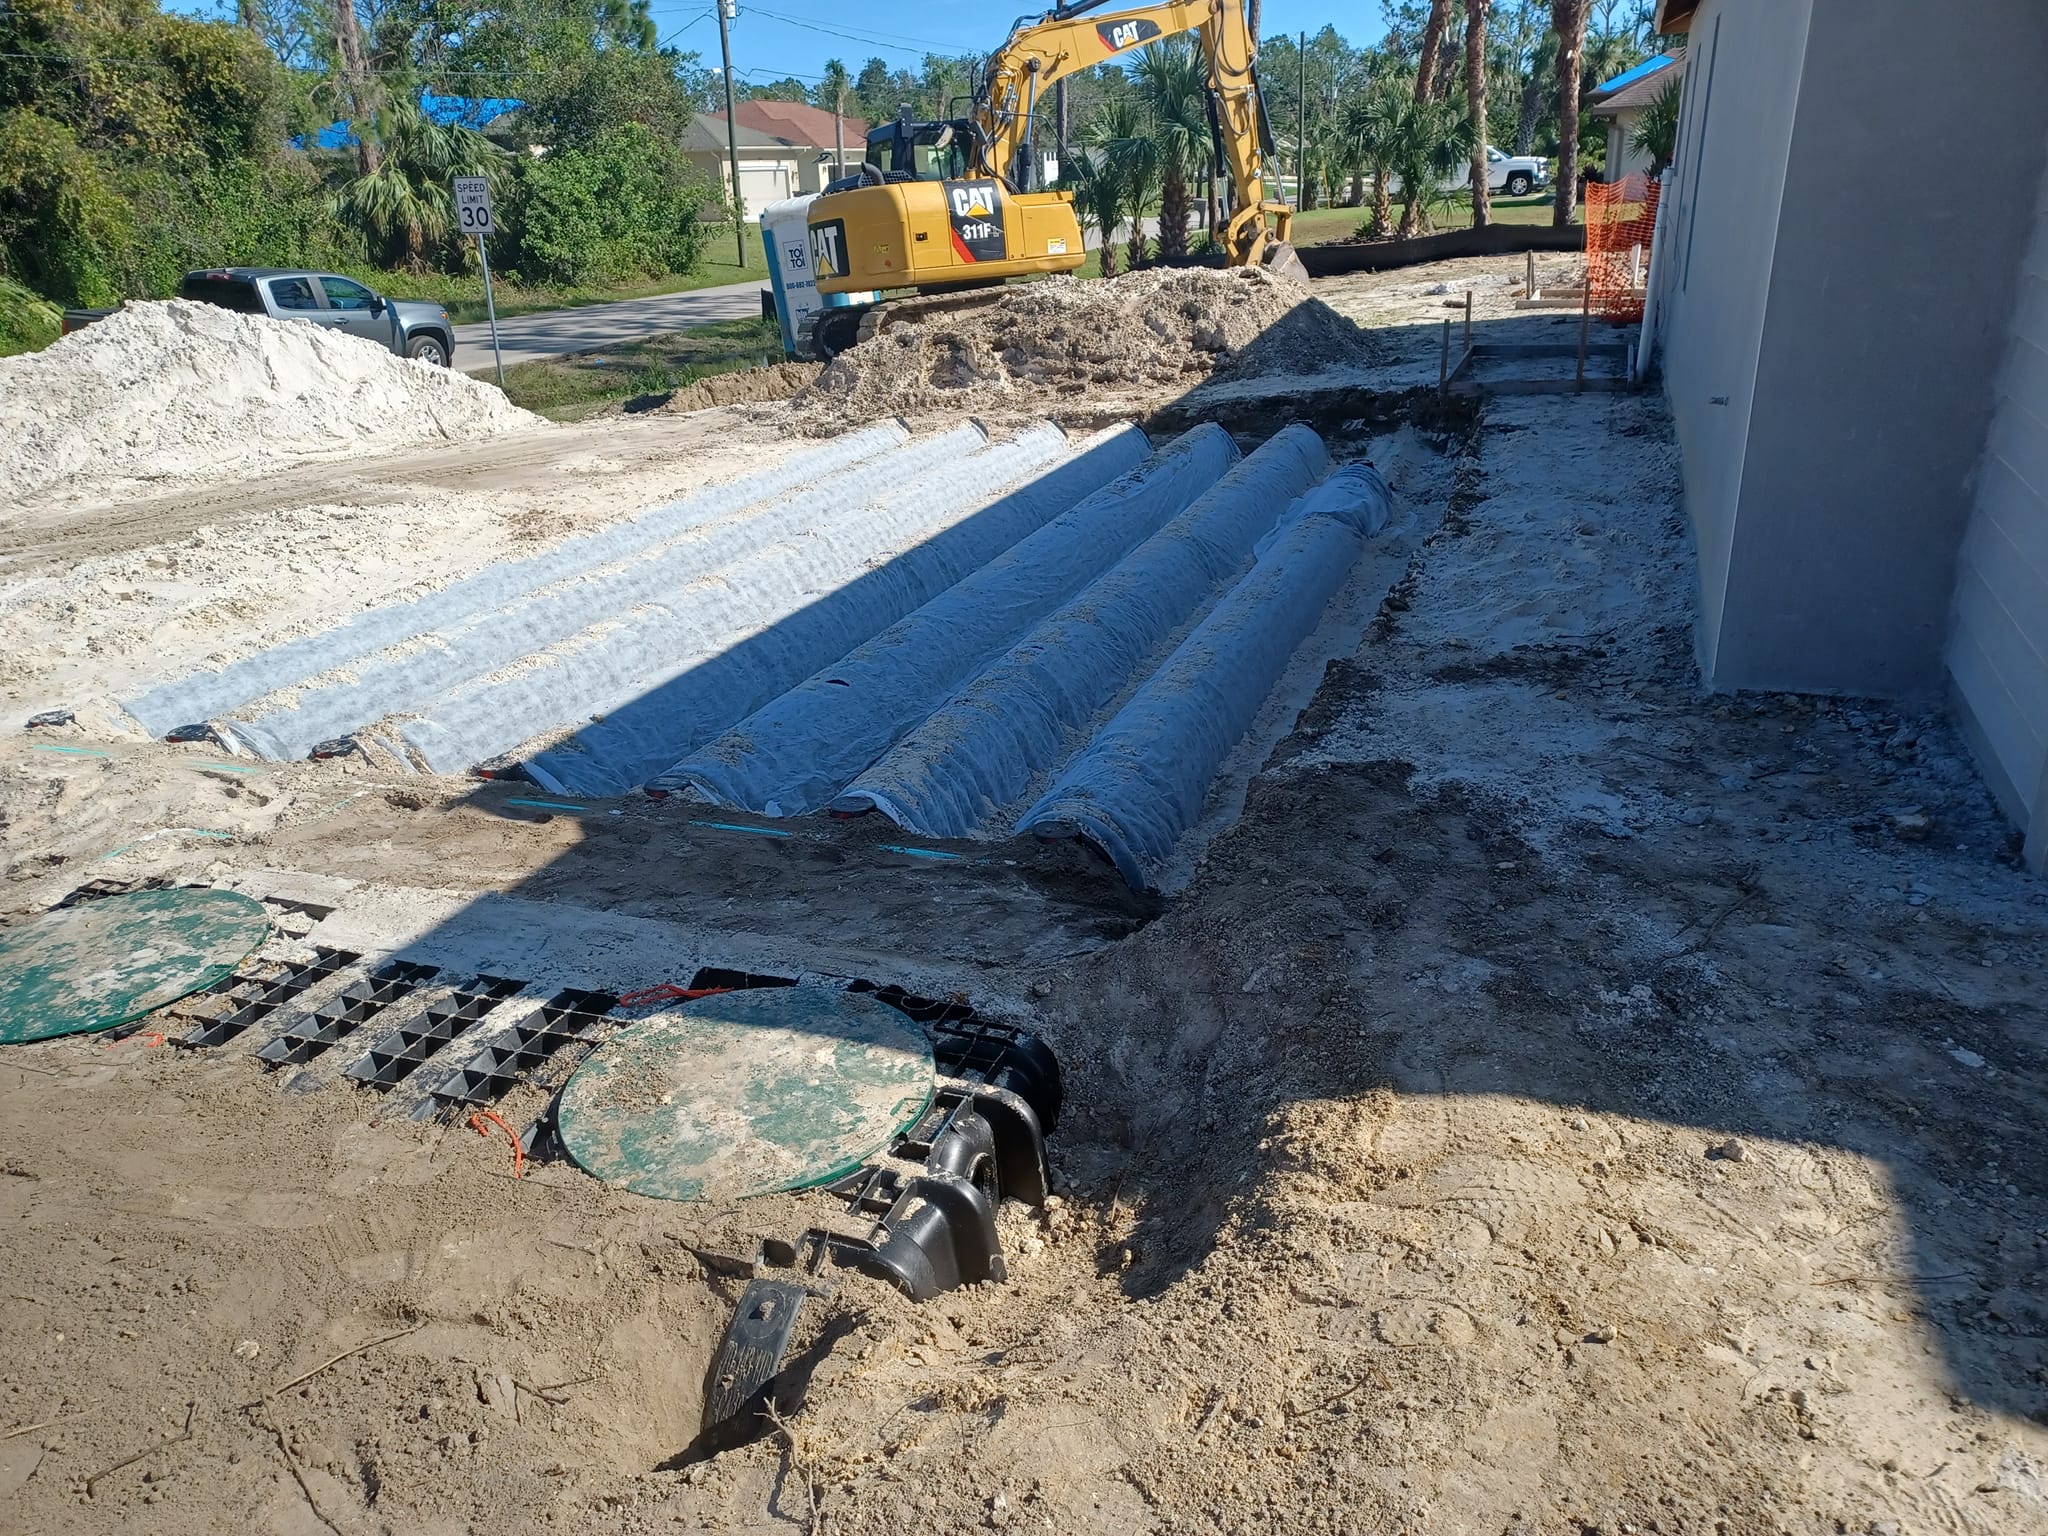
1854,327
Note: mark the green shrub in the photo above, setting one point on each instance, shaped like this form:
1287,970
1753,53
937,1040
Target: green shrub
27,323
624,206
62,226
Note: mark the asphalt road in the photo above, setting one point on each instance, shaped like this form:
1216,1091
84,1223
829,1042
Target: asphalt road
596,326
553,332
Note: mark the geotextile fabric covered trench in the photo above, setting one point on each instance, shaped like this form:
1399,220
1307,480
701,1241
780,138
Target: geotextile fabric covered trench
970,636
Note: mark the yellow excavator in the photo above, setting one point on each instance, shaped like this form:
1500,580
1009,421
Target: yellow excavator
952,209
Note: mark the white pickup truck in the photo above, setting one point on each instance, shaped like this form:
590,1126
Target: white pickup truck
1516,175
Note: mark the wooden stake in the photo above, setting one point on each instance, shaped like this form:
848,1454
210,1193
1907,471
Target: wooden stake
1585,332
1468,319
1443,366
1529,283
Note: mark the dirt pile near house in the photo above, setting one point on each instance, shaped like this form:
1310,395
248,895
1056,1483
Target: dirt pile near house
1160,331
171,390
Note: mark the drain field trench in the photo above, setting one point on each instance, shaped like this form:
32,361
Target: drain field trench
951,610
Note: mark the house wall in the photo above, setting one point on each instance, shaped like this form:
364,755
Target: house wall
1744,59
1623,162
1998,647
766,176
1883,333
1837,301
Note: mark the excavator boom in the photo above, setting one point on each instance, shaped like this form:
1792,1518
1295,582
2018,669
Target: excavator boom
1041,53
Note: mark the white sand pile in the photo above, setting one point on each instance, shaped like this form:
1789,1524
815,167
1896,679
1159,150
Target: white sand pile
1165,329
175,389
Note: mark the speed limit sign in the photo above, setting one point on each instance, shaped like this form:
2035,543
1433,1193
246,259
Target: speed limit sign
473,205
473,217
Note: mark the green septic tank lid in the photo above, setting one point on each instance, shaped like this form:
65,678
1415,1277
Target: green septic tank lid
757,1091
108,962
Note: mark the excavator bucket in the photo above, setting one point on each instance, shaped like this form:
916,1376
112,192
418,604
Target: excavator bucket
1280,260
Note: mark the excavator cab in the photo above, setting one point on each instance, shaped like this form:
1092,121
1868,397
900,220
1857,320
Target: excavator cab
907,151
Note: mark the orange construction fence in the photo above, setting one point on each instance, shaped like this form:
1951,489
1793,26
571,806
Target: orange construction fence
1620,218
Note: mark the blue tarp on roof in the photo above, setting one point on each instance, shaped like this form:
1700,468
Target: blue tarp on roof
1629,77
442,109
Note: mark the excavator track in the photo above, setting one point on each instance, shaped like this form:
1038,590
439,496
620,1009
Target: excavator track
832,331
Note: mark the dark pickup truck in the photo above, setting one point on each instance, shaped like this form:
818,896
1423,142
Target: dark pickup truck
409,327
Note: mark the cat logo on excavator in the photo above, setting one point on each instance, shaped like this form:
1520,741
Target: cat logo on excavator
828,248
976,212
1118,35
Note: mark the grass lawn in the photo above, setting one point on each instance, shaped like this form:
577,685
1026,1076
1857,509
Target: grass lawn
463,295
583,383
1319,226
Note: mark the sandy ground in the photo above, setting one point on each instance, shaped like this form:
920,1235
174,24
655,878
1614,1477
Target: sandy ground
1561,1102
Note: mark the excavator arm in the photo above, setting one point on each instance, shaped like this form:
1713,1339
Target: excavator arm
1039,53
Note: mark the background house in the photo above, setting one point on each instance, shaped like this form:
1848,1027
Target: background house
807,132
769,169
1855,346
1621,103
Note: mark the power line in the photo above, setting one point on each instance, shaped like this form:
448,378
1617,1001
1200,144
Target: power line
787,74
891,41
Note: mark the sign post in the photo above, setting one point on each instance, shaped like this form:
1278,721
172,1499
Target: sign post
473,217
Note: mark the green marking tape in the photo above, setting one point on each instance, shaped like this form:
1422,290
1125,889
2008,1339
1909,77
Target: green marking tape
549,805
916,853
74,751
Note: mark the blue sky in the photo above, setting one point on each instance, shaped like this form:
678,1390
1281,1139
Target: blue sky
796,37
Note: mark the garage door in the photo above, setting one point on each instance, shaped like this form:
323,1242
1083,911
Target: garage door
761,185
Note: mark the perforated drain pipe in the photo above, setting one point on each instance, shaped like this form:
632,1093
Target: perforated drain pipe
452,653
1140,784
734,645
207,695
980,750
794,755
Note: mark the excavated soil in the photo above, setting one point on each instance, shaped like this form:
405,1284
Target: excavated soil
748,386
1044,345
1565,1103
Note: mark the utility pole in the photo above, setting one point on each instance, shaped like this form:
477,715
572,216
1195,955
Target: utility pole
839,133
1301,124
727,10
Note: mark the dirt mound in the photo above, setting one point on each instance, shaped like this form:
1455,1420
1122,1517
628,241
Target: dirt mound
168,390
1162,330
748,386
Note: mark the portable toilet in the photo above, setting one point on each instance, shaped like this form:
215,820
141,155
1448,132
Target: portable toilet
786,237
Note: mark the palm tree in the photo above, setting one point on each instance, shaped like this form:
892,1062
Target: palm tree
1475,104
1173,81
1098,197
1122,134
1430,140
403,207
1372,122
1568,17
1656,132
1432,44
